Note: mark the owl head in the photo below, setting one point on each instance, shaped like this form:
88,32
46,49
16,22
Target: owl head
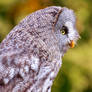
65,30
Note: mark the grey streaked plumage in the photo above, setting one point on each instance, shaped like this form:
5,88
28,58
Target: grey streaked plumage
30,55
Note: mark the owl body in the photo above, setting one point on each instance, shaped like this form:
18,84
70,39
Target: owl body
30,55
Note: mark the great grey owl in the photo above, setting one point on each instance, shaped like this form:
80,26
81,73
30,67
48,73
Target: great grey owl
31,54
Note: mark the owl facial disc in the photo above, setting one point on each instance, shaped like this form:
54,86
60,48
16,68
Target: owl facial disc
72,32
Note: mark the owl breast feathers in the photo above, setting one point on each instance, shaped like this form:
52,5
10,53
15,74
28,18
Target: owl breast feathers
30,55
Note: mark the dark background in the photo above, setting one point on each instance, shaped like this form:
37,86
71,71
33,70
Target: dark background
76,72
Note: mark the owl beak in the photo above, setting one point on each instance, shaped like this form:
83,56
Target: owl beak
72,44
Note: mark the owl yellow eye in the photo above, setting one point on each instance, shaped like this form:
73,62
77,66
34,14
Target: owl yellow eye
64,30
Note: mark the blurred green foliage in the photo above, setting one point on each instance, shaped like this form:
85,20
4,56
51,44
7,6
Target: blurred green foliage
76,72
